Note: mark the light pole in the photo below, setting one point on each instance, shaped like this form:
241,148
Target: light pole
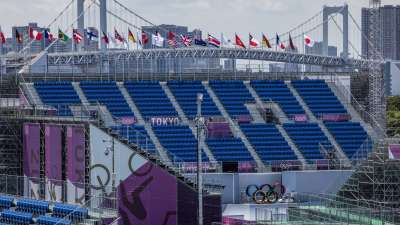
200,129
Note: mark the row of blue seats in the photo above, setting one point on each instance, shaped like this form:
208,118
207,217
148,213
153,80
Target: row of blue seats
150,98
228,149
268,142
186,95
33,206
179,141
308,138
58,95
75,213
14,217
233,96
278,92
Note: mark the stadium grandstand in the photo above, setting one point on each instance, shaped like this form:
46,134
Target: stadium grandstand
124,137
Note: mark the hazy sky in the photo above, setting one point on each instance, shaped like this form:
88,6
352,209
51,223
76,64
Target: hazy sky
215,16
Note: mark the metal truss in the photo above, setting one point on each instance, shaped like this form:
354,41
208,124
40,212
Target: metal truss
80,58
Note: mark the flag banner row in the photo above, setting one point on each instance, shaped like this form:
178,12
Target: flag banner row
157,40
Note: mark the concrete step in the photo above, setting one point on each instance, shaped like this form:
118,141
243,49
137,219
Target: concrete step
131,104
31,94
80,93
293,146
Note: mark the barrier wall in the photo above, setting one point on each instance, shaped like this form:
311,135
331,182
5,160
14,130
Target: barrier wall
75,164
31,155
53,165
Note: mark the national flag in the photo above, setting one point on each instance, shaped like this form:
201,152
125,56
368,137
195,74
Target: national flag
213,41
62,36
145,39
308,41
48,36
105,38
291,44
278,42
18,37
118,37
239,41
38,35
131,37
77,36
186,40
253,42
112,39
91,35
2,37
200,42
31,33
157,40
226,43
172,39
265,42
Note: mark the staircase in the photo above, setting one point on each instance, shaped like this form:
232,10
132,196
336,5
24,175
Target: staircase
153,137
131,104
339,151
80,93
106,116
376,180
308,112
235,128
185,120
255,114
31,94
345,97
287,138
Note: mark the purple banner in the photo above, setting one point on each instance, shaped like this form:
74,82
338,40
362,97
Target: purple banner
75,163
218,129
148,197
53,170
394,151
300,118
32,150
336,117
32,159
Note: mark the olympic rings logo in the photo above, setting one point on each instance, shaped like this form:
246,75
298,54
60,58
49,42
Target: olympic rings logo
266,193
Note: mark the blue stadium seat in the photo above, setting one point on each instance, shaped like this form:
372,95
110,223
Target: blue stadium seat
233,96
319,97
151,99
48,220
58,94
278,92
268,142
36,207
185,93
179,141
108,94
14,217
308,137
74,213
350,136
229,150
6,201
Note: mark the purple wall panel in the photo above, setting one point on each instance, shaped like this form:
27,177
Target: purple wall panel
148,197
53,152
32,150
53,165
75,164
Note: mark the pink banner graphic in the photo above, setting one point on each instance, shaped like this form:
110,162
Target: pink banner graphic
32,159
53,170
76,164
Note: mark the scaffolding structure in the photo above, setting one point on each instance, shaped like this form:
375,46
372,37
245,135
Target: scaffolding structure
375,183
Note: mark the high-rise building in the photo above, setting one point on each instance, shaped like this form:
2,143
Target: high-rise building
35,46
317,49
389,41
